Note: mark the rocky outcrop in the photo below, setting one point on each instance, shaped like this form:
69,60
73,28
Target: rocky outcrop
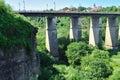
17,63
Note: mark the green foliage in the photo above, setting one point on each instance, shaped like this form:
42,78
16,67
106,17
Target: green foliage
109,9
46,66
104,20
47,73
95,70
63,36
115,75
115,63
96,66
92,67
101,54
76,50
74,9
57,77
65,8
68,72
15,30
39,22
46,59
85,23
63,42
41,40
34,77
81,8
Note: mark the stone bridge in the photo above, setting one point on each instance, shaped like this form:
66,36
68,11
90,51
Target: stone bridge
95,33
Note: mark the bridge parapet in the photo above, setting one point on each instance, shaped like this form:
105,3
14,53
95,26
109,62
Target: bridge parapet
68,14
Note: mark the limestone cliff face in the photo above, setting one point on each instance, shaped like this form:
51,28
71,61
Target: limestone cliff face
17,63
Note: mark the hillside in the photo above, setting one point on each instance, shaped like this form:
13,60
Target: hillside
18,55
14,29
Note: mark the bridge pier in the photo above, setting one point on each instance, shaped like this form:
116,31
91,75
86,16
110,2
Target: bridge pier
95,34
51,37
111,38
75,29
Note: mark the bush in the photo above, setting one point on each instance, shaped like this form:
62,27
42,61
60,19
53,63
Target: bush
115,62
115,75
96,66
15,30
95,70
57,77
48,72
76,50
46,60
101,54
63,42
68,72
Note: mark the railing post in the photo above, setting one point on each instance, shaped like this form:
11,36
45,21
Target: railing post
95,35
111,38
75,29
51,37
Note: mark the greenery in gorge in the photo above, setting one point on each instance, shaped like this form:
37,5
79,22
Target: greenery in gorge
78,60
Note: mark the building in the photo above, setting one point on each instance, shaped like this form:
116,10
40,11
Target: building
95,8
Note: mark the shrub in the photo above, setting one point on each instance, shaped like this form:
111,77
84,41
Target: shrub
63,42
76,50
115,75
57,77
115,62
46,60
68,72
96,66
101,54
15,30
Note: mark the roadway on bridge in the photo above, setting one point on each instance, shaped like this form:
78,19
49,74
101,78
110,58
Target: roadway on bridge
68,14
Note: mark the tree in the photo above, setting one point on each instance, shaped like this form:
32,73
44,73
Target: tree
101,54
95,67
67,72
66,8
76,50
115,62
80,8
74,9
51,10
115,75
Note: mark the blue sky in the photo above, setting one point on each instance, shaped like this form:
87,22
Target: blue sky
42,4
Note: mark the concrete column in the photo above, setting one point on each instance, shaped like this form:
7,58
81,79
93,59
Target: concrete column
51,37
95,34
75,29
111,37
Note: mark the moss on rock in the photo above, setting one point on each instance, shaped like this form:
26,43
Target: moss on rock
15,30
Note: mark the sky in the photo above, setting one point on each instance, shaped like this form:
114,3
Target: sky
42,4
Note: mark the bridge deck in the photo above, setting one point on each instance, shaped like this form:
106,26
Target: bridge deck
68,14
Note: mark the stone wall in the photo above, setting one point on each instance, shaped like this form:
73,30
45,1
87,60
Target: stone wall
17,63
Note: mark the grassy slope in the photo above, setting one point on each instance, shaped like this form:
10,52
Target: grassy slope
15,30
